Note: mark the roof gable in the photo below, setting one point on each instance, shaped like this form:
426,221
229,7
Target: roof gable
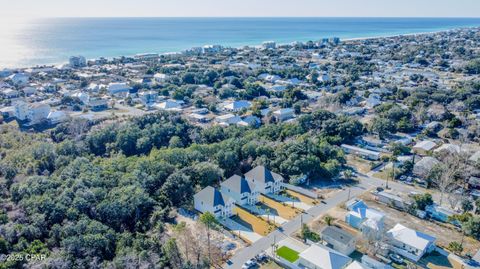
324,257
411,237
238,184
210,196
262,174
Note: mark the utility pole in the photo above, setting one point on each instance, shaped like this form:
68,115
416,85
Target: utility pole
386,184
273,246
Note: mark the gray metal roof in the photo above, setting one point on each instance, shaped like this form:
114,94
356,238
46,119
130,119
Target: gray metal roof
210,196
337,234
238,184
262,174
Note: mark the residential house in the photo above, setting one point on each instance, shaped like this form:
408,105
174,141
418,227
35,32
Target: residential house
423,167
77,61
211,200
236,106
284,114
269,78
475,158
249,121
148,97
474,183
200,118
37,112
324,77
83,97
169,105
434,126
409,243
241,190
361,217
266,180
424,146
356,265
28,91
98,104
269,45
228,119
55,117
322,257
372,141
7,112
338,239
21,110
10,93
440,213
372,101
277,88
118,88
160,78
19,78
361,152
448,148
371,263
391,199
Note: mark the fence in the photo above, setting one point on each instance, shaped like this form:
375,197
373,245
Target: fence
301,190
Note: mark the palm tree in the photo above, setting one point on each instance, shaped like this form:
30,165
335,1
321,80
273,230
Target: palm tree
328,220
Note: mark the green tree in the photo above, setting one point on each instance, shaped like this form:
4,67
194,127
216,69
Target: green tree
467,205
175,142
472,227
423,200
382,127
172,253
3,246
208,219
178,188
328,220
455,247
205,174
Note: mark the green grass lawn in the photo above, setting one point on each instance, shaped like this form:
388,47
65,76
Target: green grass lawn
288,254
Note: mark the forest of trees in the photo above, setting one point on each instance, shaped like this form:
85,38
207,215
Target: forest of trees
100,196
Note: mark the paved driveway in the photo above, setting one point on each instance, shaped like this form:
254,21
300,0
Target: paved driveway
241,231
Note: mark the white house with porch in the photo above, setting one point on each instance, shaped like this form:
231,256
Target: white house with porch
211,200
266,180
409,243
241,190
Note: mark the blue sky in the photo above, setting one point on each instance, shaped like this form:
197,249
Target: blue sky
240,8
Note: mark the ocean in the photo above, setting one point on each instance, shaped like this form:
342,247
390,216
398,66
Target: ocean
53,40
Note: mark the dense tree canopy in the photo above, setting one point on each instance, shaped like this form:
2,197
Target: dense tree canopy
101,196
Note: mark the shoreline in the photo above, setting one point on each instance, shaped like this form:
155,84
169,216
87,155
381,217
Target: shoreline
409,34
253,45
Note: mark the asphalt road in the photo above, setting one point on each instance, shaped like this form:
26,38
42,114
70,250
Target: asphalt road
365,184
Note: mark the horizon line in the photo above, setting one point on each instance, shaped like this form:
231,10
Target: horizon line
272,17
